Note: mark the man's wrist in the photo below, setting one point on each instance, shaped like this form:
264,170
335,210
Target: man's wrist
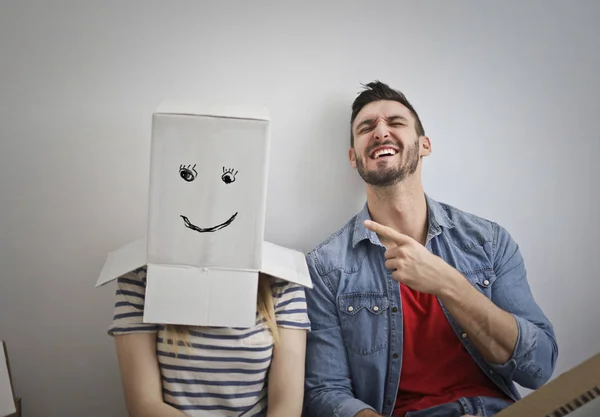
454,285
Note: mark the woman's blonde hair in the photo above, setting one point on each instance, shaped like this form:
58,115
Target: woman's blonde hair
177,334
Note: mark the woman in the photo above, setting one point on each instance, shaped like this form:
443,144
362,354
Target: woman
181,371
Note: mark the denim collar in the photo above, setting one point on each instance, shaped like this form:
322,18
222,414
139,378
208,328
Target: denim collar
437,219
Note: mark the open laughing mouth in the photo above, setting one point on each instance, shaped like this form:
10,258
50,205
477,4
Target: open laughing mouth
383,152
192,226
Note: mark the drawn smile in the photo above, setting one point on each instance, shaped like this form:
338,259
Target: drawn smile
192,226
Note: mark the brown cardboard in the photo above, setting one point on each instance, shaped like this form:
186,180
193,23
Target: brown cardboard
563,395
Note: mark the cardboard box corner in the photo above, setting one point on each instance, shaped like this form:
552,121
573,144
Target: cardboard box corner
10,405
564,395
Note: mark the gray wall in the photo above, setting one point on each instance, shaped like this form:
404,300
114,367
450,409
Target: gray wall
508,93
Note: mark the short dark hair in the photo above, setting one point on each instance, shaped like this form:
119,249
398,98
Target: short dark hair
375,91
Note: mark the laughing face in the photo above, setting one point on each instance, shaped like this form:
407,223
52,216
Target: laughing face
387,149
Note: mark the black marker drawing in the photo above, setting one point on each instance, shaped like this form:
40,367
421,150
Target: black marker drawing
228,176
189,174
192,226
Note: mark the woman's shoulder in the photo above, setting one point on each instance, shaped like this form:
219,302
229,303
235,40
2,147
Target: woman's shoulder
285,292
135,276
280,286
289,300
129,304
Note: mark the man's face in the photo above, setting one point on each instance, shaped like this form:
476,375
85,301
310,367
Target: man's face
387,148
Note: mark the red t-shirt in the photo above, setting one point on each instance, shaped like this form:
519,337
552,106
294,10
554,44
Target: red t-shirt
436,368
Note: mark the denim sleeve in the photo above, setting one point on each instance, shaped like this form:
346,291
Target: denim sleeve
328,385
534,358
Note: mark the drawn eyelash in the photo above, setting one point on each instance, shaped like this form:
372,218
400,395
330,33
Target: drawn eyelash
188,172
228,175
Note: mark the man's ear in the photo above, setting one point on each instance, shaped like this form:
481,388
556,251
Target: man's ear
424,146
352,157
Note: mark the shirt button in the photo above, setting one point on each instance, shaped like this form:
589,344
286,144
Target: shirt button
375,308
464,335
350,308
395,309
486,283
388,402
395,356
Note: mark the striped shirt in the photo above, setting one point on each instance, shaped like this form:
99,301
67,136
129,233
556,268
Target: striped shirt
224,371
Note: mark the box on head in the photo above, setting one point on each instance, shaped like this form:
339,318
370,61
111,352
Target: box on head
204,245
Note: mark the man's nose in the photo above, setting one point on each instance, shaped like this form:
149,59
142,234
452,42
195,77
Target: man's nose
381,131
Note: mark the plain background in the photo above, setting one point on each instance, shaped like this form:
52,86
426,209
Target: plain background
508,93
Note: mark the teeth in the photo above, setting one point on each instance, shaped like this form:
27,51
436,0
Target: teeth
384,152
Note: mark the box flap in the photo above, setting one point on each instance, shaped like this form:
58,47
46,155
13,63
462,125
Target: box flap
563,395
287,264
200,297
7,399
200,108
122,261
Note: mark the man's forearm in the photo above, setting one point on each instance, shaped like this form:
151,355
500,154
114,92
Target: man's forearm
368,413
492,331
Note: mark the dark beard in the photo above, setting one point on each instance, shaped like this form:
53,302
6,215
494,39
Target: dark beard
386,177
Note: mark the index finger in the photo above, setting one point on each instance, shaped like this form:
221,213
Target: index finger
387,232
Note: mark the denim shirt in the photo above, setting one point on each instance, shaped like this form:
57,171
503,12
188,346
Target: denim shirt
354,351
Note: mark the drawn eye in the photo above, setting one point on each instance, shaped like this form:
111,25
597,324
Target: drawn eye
228,175
188,172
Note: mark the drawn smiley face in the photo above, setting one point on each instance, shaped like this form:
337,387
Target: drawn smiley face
188,173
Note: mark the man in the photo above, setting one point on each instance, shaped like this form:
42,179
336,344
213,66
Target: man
418,309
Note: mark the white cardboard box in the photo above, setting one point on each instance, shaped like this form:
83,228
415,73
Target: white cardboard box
204,246
7,399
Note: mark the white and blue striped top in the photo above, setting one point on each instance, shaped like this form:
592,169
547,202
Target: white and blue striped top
224,372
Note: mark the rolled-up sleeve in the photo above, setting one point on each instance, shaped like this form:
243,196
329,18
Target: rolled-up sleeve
129,305
290,306
533,360
328,388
